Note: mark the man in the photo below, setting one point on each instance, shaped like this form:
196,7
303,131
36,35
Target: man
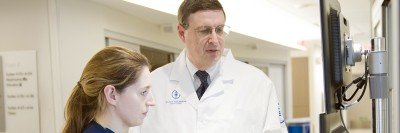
206,90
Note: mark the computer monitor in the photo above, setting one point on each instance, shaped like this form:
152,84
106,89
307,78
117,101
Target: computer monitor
335,31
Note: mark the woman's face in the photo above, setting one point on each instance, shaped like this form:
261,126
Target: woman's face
133,103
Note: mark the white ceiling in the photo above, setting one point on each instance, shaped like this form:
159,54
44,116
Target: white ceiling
356,11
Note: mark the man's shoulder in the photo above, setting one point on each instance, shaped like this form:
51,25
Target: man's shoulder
166,69
246,69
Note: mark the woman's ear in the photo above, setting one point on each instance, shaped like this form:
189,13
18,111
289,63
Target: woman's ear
111,93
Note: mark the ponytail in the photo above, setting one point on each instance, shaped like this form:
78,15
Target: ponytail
78,113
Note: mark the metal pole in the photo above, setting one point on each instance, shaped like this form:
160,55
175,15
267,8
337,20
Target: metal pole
380,115
378,84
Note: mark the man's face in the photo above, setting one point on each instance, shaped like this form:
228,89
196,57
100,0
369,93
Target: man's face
203,38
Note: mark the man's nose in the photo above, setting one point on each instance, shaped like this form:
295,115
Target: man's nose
213,37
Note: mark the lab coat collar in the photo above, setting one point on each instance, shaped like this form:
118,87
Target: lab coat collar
181,75
227,65
225,71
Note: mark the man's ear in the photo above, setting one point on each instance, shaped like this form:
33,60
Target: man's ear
181,32
111,93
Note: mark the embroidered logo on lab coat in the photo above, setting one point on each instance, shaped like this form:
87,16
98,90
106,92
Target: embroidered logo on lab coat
175,94
175,98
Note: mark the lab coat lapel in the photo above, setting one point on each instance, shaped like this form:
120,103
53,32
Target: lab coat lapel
224,79
184,86
216,88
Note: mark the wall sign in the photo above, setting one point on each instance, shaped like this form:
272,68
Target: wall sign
19,112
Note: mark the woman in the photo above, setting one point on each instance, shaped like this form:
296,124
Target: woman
112,94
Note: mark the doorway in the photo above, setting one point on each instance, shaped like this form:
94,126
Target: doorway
156,57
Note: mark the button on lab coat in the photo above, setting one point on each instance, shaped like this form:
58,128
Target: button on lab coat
240,99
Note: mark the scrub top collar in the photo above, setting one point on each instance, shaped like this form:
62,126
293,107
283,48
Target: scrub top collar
95,127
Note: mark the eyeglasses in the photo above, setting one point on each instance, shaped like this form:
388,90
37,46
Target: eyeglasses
221,30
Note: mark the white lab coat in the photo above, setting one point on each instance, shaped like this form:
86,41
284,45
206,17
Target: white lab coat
240,99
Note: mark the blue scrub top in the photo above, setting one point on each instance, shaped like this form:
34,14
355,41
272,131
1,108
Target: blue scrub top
95,127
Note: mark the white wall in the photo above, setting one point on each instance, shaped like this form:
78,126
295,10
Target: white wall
24,26
395,71
259,52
